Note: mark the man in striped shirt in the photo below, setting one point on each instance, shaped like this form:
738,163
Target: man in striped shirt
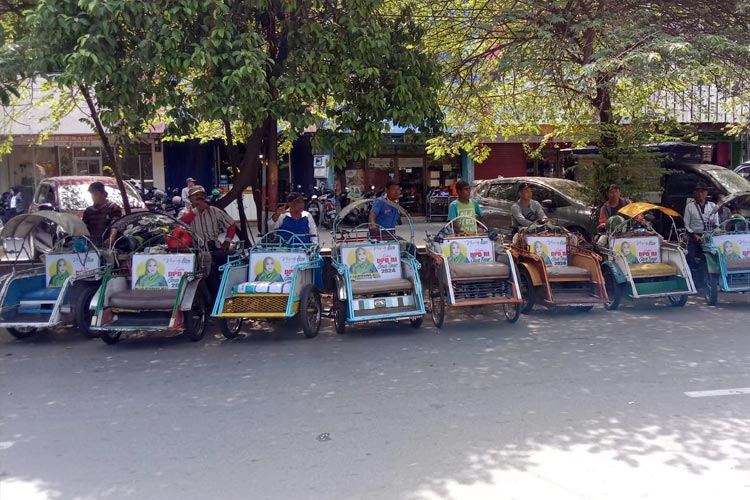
209,223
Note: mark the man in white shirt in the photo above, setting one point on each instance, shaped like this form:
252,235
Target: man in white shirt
698,219
186,193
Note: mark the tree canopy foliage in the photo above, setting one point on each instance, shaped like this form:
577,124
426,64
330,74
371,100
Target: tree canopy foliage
250,67
582,70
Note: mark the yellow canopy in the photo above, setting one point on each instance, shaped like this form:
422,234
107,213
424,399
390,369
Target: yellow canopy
639,207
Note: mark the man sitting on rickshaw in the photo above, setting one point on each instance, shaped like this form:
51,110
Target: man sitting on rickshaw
209,223
294,218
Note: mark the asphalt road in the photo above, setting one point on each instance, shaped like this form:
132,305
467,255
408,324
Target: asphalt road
561,405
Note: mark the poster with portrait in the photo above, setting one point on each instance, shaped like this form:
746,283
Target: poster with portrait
160,271
274,267
63,265
373,262
553,250
467,250
640,250
733,246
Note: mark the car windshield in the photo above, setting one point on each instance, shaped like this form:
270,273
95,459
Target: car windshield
732,181
571,189
77,197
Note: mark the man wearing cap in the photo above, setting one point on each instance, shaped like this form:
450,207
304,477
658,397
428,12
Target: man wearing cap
101,214
208,222
525,211
294,218
615,201
698,219
186,193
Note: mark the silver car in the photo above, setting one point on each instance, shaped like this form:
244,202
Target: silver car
563,200
744,170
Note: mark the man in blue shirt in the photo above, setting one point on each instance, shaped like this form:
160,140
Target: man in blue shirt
382,214
294,218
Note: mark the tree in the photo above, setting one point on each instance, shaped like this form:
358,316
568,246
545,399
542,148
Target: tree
583,69
260,68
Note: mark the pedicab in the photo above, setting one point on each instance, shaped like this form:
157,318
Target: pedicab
471,269
156,284
276,278
639,263
377,273
556,269
53,292
726,250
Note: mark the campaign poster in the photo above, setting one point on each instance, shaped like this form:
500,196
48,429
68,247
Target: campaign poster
733,246
640,250
61,266
467,250
553,250
373,262
160,271
274,267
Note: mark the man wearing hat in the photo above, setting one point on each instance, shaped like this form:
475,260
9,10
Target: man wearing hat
525,211
615,201
101,214
209,223
294,218
698,219
186,192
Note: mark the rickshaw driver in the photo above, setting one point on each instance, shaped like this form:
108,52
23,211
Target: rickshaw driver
698,219
526,211
384,215
294,218
466,208
615,201
100,214
208,223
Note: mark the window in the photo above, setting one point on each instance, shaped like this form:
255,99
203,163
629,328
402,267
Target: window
503,191
682,183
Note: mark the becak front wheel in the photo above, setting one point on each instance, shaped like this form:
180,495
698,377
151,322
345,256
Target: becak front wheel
310,310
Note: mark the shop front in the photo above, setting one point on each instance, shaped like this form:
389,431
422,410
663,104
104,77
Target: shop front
417,172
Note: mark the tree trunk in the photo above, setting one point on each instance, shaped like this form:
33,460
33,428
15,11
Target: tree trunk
234,160
109,152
